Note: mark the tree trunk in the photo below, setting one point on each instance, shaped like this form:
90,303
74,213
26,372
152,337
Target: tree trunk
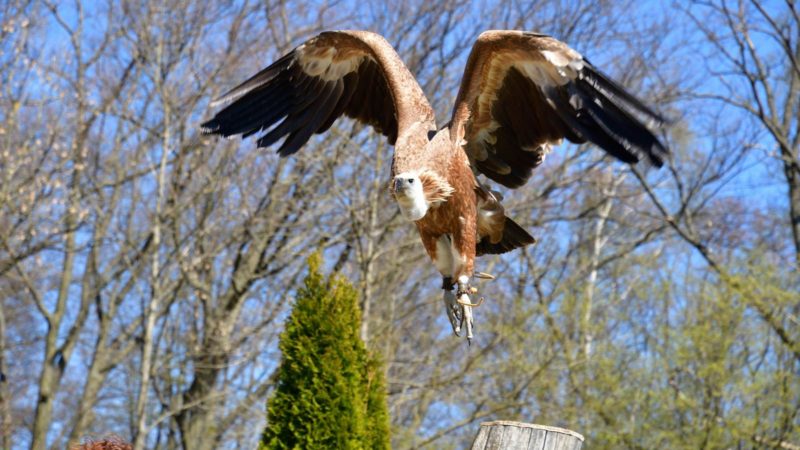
507,435
793,181
5,398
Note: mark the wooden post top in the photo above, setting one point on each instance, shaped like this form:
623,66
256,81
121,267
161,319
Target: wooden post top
508,435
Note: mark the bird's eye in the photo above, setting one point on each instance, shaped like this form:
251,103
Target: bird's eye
410,181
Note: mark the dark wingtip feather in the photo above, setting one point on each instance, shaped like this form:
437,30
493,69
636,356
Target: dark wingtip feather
637,140
248,103
610,117
573,114
603,82
261,78
629,105
210,127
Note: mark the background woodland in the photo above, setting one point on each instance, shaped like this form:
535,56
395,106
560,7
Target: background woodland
146,270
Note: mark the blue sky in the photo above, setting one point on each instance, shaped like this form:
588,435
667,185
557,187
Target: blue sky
759,184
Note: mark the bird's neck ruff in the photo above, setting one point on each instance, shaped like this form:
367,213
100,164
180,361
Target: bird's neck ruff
435,187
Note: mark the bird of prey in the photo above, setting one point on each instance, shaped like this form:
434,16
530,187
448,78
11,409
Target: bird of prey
520,94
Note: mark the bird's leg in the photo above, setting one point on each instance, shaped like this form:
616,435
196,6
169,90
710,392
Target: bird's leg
465,304
451,305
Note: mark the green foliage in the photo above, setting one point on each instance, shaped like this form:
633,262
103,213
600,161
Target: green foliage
330,392
678,360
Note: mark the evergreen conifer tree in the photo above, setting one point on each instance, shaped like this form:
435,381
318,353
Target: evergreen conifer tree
330,393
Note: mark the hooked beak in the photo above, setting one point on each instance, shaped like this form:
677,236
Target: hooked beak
398,185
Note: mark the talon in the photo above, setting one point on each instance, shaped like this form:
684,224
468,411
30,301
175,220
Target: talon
458,322
453,311
459,306
466,311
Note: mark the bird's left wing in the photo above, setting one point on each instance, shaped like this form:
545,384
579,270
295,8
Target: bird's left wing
522,92
353,73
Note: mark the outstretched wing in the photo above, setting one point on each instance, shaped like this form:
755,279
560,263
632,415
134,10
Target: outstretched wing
522,92
355,73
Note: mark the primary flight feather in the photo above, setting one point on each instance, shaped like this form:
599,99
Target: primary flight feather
520,94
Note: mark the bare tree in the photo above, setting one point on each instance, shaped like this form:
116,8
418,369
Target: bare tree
145,269
757,51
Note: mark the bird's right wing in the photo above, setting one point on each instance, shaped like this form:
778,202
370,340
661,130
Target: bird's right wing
353,73
523,92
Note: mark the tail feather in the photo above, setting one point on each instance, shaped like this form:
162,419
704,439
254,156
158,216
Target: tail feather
514,236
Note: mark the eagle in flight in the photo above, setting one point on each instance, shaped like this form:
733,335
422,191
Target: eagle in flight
520,94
